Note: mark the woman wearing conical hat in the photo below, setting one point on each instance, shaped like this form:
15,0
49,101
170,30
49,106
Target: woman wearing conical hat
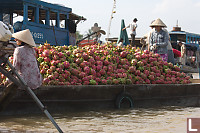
159,39
24,59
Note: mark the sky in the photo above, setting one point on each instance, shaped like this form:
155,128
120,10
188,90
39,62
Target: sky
169,11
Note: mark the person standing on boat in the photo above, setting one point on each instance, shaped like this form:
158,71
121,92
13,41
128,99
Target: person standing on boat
159,39
183,52
169,46
24,59
132,27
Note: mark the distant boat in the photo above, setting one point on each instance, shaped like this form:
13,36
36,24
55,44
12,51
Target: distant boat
191,41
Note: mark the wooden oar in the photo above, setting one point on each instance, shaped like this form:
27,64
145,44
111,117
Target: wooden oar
19,81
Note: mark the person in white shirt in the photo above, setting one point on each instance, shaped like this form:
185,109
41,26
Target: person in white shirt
183,52
132,27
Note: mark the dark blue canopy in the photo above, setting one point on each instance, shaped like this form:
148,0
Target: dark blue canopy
10,5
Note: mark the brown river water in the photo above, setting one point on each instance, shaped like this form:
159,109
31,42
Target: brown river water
138,120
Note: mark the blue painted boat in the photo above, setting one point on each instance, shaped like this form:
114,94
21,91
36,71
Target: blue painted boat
191,41
48,22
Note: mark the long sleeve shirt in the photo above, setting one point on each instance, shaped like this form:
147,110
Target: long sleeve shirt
160,39
25,63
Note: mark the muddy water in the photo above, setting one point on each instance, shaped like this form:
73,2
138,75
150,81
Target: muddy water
151,120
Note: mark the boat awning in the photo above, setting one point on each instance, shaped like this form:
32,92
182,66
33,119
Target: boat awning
184,33
16,6
177,32
10,5
73,16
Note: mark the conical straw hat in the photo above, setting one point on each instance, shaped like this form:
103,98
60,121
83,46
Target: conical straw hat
158,22
25,36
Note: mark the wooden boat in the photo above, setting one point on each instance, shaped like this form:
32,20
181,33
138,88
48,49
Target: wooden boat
64,98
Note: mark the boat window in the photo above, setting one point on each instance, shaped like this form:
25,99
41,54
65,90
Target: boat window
192,39
42,16
17,17
195,40
53,16
62,21
31,13
188,39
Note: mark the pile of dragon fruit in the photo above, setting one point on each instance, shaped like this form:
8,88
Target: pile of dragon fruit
105,65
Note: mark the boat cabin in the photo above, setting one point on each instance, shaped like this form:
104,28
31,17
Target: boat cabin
52,23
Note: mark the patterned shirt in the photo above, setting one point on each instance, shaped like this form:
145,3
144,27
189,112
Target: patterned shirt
160,39
25,63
